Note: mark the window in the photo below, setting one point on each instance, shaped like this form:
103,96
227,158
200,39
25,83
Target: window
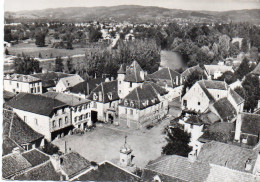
185,103
199,103
35,121
31,90
80,108
80,117
218,96
66,119
130,85
25,118
162,105
86,115
63,111
39,89
131,111
53,124
75,119
17,85
191,126
125,110
95,96
60,120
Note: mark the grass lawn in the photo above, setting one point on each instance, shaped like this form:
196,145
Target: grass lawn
105,141
32,50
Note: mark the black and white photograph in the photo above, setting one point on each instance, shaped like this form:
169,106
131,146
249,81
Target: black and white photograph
130,90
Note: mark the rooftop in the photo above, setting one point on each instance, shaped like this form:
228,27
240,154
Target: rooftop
68,99
190,70
87,86
256,71
37,104
211,69
250,123
71,81
225,109
177,168
213,84
147,92
133,73
21,78
230,156
73,164
107,171
238,99
17,130
107,90
50,78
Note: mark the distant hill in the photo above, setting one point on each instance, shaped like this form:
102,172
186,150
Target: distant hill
135,13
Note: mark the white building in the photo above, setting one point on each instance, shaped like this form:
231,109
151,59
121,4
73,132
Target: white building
67,82
143,105
216,71
16,83
47,116
80,108
128,80
104,100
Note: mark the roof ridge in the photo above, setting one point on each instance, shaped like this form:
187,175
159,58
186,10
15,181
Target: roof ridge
170,76
12,119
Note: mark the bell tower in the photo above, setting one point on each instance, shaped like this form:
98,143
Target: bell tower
120,79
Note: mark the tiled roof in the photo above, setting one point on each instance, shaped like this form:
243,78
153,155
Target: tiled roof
21,78
71,80
121,70
256,71
164,73
144,96
8,146
44,172
13,163
225,109
238,99
219,173
7,95
250,123
37,104
190,70
195,120
221,132
68,99
205,90
106,89
17,130
231,156
108,172
87,86
209,118
73,164
50,79
35,157
133,73
213,84
178,167
211,69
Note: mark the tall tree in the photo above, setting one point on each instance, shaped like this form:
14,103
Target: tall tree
40,39
177,143
59,64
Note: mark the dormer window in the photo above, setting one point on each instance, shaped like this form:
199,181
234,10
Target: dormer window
95,97
126,103
110,95
132,104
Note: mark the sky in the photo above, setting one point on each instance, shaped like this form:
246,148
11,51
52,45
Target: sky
211,5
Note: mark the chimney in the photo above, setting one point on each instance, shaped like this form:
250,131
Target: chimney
56,162
100,96
94,165
248,165
16,150
192,157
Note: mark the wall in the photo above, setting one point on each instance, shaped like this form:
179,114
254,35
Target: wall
60,115
193,97
43,122
218,94
76,112
60,87
11,86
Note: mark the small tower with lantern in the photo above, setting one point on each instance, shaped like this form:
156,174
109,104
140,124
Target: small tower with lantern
125,154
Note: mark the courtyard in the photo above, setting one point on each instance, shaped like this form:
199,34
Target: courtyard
104,142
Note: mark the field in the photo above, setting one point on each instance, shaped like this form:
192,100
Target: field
32,50
105,141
